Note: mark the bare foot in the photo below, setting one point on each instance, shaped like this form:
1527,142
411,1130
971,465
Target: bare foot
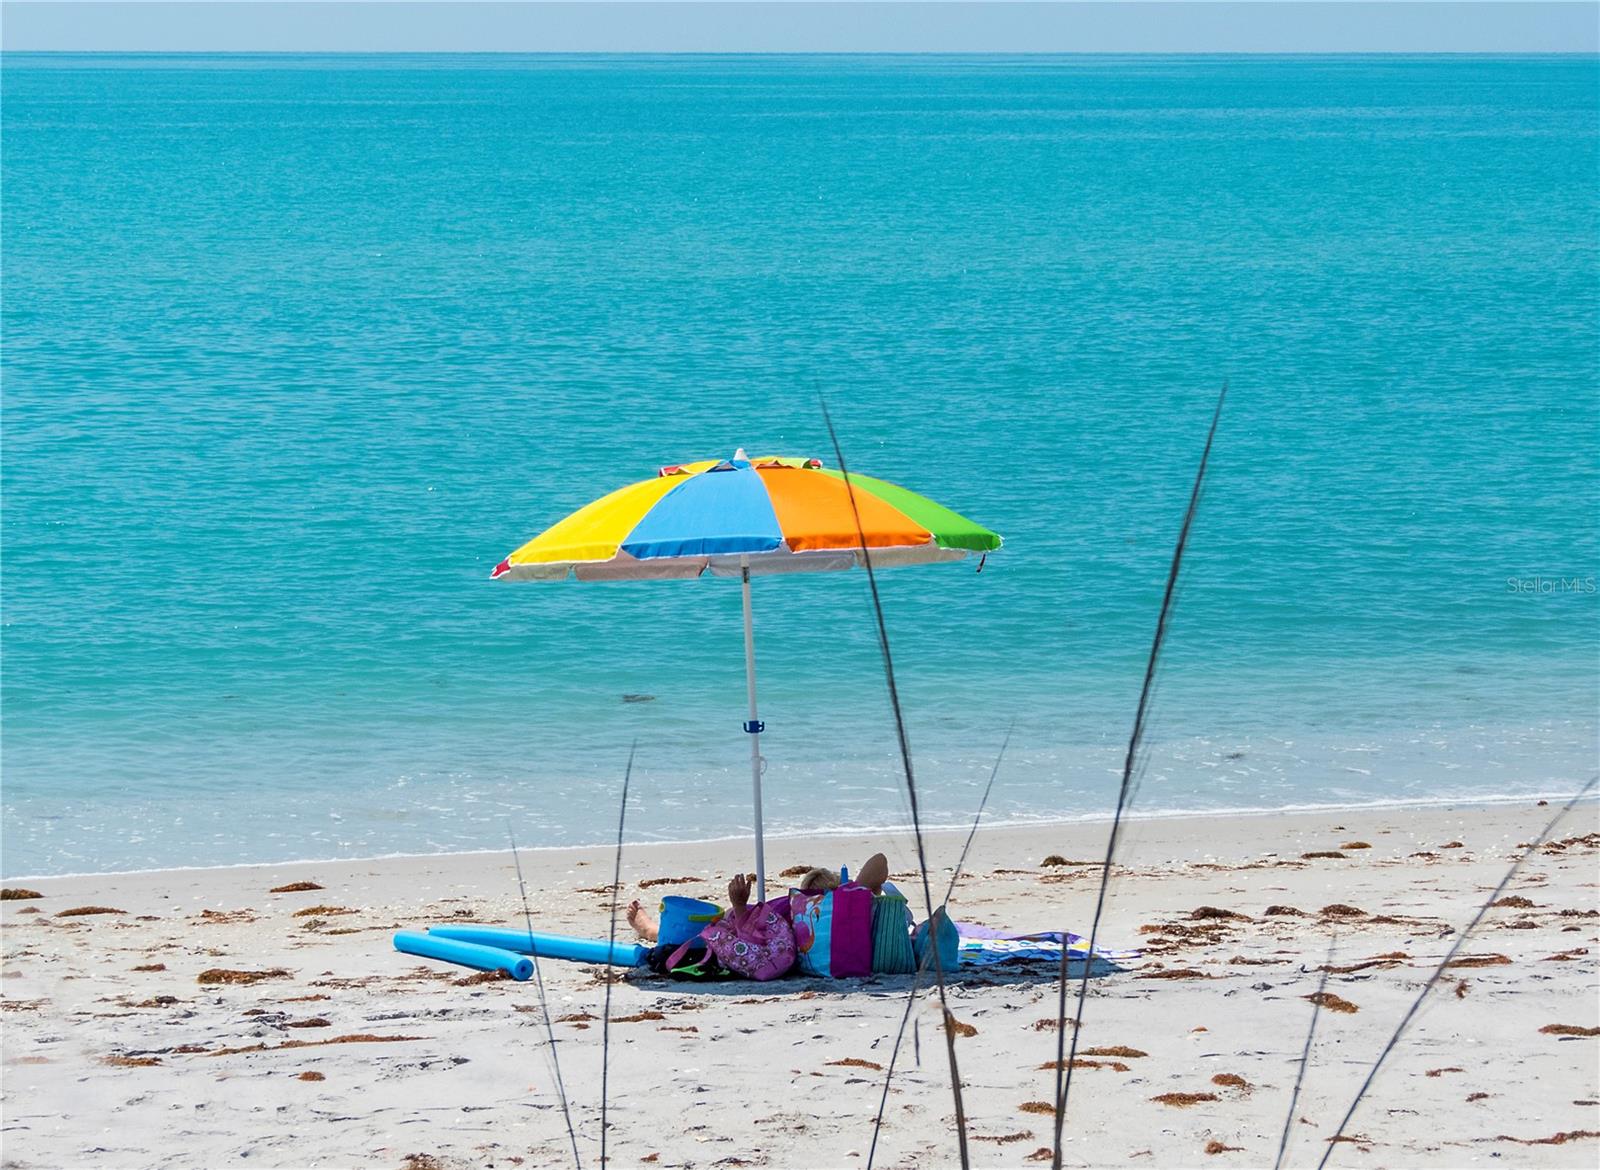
643,922
874,872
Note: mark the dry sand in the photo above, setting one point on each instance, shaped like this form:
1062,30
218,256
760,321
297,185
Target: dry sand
117,1053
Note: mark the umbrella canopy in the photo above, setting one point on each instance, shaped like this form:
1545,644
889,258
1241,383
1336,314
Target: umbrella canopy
771,514
740,517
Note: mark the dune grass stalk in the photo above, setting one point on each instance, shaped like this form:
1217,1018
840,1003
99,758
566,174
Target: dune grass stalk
544,1003
1064,1059
1438,972
911,788
605,1012
1317,1001
916,978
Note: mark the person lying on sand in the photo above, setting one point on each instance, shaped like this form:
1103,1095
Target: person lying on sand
873,874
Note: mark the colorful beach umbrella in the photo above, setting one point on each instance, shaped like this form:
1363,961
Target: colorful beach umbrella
744,517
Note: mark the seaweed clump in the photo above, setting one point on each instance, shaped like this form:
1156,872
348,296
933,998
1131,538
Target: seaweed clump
1334,1003
1183,1100
224,975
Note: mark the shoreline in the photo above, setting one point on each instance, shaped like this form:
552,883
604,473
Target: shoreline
1554,799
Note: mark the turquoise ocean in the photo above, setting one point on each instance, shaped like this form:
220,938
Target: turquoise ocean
297,348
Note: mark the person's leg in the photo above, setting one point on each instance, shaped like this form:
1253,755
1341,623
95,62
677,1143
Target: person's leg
874,872
643,922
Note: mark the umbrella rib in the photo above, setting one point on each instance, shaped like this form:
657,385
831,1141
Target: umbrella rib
911,788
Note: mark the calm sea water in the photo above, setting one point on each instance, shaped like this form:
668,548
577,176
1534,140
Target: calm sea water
295,349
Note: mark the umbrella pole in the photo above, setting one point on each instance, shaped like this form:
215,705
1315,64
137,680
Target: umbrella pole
753,725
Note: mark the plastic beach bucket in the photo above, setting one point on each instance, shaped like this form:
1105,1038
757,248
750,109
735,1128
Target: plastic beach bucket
683,918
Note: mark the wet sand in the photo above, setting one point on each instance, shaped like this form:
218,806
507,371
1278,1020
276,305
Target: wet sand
201,1019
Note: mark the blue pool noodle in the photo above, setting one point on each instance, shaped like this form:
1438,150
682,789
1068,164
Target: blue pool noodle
546,946
465,954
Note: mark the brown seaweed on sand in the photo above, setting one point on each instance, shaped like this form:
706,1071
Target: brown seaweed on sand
1174,973
1332,1002
1115,1050
637,1018
295,888
1183,1100
1002,1139
1319,854
1081,1062
311,1075
17,894
224,975
1556,1139
1479,961
118,1061
352,1038
322,911
856,1062
151,967
956,1026
81,911
1340,910
1439,1072
1568,1030
1051,1025
1284,912
1216,1147
1392,959
1041,1107
1232,1081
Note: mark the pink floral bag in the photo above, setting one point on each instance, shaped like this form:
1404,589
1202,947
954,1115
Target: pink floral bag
757,942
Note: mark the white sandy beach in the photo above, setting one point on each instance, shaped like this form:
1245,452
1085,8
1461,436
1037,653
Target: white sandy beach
349,1054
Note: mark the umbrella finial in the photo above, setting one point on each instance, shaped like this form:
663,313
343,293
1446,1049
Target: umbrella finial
740,457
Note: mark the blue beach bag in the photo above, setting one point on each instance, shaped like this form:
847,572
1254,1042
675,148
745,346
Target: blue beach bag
684,918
